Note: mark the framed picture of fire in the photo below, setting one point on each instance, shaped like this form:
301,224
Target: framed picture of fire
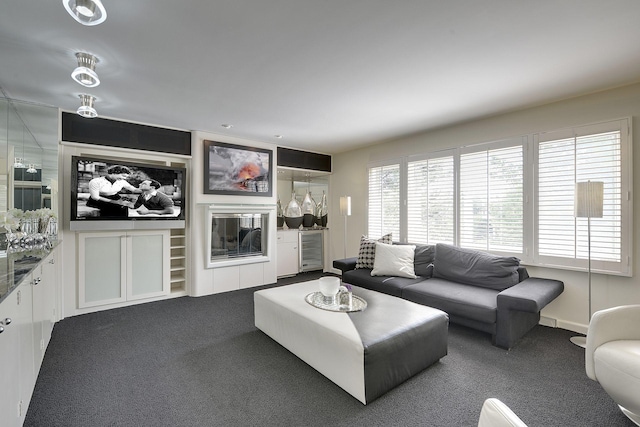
237,169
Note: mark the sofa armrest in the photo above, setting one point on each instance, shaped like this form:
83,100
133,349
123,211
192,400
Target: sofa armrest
530,295
345,264
612,324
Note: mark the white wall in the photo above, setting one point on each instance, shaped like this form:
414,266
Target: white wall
570,309
205,281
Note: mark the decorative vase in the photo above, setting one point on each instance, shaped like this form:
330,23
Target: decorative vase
43,225
293,213
279,214
322,211
308,211
329,287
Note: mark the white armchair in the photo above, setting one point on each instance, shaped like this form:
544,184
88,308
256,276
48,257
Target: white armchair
494,413
612,356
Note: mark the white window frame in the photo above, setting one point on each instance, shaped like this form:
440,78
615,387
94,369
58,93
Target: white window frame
454,154
375,234
497,145
624,267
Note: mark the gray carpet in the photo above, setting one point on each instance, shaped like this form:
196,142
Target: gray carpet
201,362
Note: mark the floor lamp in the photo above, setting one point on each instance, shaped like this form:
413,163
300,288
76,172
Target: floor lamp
345,211
588,204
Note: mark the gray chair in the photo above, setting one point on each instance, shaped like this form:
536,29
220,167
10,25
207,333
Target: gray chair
494,413
612,356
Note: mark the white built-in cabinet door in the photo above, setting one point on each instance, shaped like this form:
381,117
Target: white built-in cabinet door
10,360
43,281
115,267
16,355
287,253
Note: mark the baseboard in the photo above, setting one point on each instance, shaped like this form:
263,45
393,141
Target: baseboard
572,326
548,321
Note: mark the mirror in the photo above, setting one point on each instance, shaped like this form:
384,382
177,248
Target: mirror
299,182
28,155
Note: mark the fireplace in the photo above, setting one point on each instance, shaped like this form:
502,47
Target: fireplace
238,234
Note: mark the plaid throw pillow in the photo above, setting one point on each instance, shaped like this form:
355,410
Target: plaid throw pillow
367,253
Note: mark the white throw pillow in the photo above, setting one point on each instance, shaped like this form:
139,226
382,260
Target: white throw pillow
394,260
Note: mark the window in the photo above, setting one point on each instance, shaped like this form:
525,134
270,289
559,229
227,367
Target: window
431,200
514,197
588,153
491,210
384,201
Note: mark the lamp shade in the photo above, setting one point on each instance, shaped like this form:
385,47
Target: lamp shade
589,198
345,206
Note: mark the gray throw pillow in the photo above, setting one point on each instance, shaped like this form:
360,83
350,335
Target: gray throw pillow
367,252
423,259
473,267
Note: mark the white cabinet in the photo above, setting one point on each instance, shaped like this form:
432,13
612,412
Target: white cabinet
44,283
16,355
27,314
116,267
287,253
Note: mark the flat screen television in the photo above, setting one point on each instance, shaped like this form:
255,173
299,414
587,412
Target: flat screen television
116,195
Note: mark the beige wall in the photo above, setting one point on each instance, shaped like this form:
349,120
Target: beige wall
570,309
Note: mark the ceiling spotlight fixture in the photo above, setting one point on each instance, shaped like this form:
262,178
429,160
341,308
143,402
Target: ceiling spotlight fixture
277,136
226,126
32,169
85,72
86,106
86,12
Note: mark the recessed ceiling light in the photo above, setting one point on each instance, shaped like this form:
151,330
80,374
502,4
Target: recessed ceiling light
226,126
85,72
86,108
86,12
277,136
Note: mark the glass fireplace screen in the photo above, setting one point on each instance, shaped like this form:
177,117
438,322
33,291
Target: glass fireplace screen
238,235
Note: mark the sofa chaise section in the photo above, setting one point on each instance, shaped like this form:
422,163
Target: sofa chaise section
478,290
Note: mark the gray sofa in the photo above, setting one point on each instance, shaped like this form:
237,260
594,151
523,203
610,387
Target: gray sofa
486,292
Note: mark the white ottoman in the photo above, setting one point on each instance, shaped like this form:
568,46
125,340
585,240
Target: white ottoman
366,353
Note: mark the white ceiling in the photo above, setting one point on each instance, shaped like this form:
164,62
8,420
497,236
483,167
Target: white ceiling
328,75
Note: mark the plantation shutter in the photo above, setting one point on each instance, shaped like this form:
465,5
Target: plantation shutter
491,199
384,201
588,153
431,200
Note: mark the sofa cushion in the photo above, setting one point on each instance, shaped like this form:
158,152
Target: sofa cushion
475,267
385,284
367,252
394,260
456,299
422,259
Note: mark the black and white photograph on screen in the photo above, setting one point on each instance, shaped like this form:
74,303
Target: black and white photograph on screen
124,190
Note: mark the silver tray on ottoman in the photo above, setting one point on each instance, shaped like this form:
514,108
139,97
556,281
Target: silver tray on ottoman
317,300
